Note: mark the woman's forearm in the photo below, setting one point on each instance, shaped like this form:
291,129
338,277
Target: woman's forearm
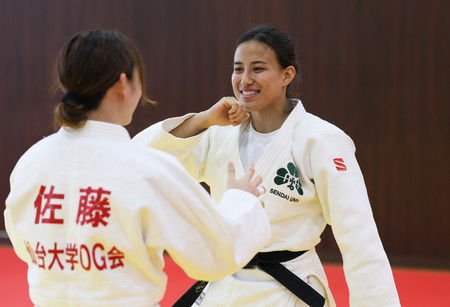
192,126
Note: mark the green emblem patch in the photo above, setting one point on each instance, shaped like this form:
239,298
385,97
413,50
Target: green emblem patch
289,176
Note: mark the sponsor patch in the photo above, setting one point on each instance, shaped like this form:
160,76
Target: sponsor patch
340,165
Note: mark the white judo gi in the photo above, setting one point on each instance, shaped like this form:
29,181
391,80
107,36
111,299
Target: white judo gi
312,179
92,212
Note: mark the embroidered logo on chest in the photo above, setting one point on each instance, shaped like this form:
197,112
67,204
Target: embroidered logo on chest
290,177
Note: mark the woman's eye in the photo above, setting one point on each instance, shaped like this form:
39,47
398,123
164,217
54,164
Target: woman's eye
257,69
238,69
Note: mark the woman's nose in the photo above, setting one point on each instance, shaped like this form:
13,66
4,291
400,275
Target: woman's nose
247,78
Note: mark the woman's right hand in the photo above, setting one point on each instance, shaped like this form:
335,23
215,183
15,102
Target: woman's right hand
247,182
227,111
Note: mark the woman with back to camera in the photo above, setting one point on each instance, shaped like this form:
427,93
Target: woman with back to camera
310,173
92,213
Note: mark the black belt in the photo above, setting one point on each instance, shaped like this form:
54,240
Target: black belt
270,263
191,295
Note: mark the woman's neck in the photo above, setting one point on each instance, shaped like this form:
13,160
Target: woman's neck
268,121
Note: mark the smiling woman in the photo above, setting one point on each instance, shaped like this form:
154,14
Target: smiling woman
260,83
296,153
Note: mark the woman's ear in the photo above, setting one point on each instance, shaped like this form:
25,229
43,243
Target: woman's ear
289,74
120,87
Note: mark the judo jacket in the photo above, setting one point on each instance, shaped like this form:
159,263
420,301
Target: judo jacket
92,213
312,179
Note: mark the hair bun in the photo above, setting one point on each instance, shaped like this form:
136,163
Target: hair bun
70,96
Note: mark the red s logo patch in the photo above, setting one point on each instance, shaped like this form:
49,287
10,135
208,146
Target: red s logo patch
340,165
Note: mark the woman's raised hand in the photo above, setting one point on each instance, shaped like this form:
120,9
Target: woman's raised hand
249,182
227,111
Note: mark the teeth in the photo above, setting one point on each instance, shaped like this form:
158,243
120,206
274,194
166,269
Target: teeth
249,92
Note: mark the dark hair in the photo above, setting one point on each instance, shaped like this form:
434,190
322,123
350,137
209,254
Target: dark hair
278,41
88,65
